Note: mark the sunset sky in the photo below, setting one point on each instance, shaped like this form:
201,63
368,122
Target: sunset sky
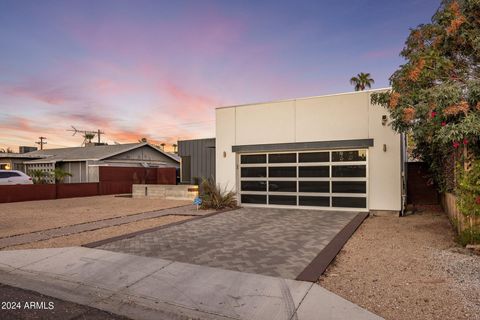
158,69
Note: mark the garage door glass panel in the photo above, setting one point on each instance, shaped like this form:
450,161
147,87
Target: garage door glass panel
314,157
254,186
253,158
282,172
357,155
283,200
254,172
349,171
314,186
349,202
254,198
314,201
282,158
349,186
318,171
282,186
335,179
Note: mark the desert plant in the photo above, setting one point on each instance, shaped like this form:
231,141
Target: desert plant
38,176
214,197
59,174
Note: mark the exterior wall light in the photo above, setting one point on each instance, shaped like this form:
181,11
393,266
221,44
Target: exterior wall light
384,120
384,148
224,154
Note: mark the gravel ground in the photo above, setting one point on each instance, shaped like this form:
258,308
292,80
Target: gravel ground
24,217
82,238
407,268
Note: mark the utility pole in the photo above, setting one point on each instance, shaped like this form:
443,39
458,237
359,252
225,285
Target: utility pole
41,142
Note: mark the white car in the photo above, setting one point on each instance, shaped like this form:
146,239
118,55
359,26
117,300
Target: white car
14,177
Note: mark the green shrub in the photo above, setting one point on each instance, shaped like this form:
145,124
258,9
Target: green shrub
213,197
469,236
468,191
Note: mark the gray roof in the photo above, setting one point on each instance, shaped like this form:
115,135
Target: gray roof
88,153
13,155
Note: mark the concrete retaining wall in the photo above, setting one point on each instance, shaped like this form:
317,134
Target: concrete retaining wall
161,191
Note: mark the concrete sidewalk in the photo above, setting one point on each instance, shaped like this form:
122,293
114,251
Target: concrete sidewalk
152,288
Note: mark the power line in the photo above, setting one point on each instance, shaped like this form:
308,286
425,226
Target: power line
41,142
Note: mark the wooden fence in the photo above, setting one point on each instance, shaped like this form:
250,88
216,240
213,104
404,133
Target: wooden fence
113,180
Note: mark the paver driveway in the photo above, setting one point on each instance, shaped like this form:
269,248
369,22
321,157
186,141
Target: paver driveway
275,242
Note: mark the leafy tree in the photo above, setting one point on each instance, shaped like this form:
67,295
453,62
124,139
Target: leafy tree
143,140
436,94
7,150
60,174
362,81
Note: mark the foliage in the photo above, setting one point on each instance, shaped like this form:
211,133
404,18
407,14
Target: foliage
362,81
89,136
59,174
213,197
39,176
469,236
468,195
435,95
7,150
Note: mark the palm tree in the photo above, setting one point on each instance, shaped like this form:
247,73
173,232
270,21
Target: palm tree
163,146
7,150
143,140
88,136
59,174
362,81
174,148
39,176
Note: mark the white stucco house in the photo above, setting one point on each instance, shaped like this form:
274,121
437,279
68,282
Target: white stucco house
334,152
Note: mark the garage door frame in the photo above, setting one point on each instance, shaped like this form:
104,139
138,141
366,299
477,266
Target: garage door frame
297,164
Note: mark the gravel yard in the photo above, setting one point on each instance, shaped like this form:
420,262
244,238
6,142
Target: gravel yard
407,268
25,217
82,238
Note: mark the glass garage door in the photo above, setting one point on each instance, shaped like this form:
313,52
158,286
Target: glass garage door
334,179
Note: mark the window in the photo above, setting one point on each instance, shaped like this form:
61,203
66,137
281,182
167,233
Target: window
253,158
282,158
254,172
349,202
282,172
349,171
314,157
314,186
320,171
282,186
254,198
254,186
349,186
315,201
357,155
283,200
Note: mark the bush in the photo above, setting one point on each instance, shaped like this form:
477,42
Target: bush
213,197
468,191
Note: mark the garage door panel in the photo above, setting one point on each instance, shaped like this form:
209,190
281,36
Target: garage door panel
321,179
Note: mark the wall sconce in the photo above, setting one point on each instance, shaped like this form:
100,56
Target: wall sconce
384,120
224,154
384,148
7,166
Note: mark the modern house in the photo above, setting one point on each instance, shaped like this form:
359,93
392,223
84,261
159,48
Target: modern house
334,152
84,162
197,160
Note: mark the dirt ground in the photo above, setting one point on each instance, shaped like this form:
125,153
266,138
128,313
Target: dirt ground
407,268
24,217
82,238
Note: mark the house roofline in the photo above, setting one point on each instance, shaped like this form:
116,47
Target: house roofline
303,98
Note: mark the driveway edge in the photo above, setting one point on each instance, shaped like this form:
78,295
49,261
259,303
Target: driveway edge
320,263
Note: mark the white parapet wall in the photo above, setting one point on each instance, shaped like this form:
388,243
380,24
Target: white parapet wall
165,191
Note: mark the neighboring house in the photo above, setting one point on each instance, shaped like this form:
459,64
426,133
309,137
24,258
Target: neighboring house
14,161
197,160
83,162
334,152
